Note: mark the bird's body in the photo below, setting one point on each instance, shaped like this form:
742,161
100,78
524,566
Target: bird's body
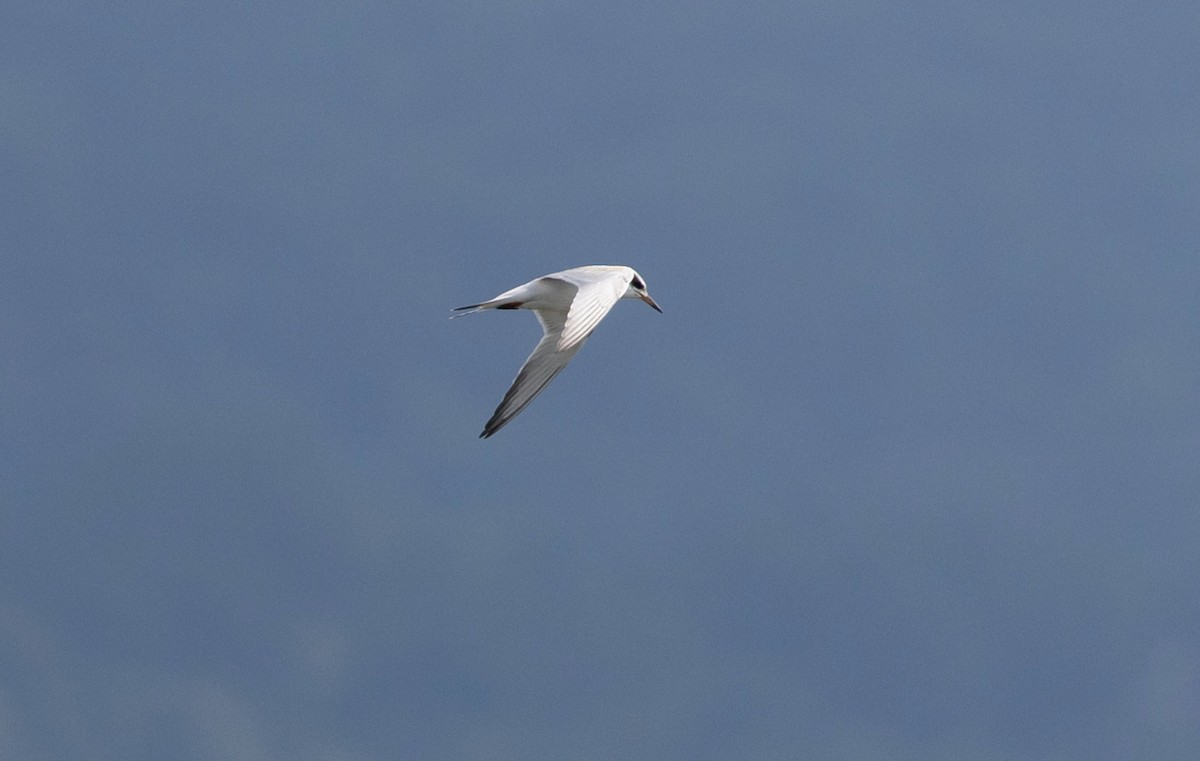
569,305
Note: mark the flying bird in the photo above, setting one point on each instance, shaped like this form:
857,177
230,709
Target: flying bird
569,305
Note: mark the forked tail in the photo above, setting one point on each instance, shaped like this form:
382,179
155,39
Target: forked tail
468,309
493,304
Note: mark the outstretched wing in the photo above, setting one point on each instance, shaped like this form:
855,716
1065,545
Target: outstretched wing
546,361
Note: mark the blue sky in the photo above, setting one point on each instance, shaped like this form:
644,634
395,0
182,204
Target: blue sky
906,470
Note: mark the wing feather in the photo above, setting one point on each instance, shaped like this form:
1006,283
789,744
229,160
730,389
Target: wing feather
539,369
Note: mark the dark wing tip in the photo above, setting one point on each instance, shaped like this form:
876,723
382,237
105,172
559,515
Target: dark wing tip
495,423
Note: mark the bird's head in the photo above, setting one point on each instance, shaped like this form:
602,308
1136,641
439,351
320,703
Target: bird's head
637,290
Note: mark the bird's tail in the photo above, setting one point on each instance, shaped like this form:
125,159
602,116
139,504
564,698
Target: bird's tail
469,309
496,303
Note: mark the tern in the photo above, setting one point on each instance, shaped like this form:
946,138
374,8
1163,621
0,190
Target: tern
569,305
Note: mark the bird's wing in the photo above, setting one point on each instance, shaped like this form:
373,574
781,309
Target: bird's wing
539,369
594,298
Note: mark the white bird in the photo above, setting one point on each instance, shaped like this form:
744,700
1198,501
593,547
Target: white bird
569,305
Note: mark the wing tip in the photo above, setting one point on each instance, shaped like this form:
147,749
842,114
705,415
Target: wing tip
490,429
495,423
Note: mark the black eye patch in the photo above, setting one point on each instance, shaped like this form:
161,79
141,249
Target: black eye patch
637,283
